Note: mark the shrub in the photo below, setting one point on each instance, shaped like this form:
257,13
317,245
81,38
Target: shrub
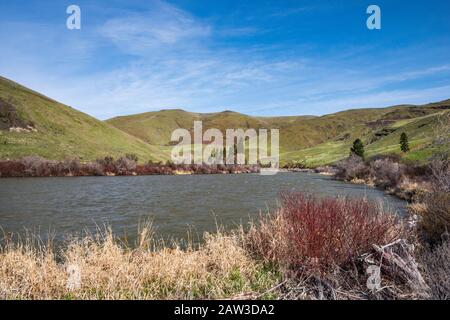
387,173
314,235
38,167
358,148
295,165
125,166
440,169
107,164
436,268
434,221
93,169
71,167
12,169
352,168
414,170
404,144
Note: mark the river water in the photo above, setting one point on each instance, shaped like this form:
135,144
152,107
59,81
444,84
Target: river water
58,207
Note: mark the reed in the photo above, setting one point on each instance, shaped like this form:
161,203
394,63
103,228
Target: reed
101,267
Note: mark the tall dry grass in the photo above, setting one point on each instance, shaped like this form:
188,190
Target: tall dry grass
433,225
436,268
220,268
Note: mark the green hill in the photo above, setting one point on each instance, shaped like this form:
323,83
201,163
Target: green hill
44,127
32,124
315,140
380,130
157,127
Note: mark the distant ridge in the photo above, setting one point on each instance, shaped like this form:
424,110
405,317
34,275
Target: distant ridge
33,124
313,139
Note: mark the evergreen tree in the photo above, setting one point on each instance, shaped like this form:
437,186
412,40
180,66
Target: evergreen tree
358,148
404,144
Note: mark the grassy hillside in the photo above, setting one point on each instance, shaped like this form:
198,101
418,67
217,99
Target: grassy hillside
157,127
49,129
32,124
419,130
314,140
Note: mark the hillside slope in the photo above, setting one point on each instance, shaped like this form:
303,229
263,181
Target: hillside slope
32,124
157,127
314,140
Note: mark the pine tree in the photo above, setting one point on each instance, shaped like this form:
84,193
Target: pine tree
358,148
404,144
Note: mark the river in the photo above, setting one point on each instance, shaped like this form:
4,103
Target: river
176,204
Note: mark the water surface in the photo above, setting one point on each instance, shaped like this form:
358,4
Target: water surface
175,203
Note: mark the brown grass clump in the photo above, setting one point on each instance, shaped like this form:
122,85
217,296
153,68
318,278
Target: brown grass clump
436,268
434,220
101,268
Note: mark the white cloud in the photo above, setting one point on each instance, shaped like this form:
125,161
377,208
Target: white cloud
162,26
164,57
322,106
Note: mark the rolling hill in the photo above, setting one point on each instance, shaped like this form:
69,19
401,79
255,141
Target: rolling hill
32,124
314,140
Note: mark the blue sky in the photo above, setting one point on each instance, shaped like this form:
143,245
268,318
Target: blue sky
255,57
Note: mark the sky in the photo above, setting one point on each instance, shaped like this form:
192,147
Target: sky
255,57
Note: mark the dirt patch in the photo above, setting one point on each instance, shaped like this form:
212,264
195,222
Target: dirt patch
9,117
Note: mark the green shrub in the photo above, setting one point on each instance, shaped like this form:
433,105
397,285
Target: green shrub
358,148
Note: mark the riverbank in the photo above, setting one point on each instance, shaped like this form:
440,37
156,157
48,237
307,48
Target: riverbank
124,166
311,248
387,173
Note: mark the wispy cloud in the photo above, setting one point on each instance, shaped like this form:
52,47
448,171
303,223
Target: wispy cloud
161,26
237,32
281,13
164,57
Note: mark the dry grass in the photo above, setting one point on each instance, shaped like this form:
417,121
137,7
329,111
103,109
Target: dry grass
436,268
434,219
220,268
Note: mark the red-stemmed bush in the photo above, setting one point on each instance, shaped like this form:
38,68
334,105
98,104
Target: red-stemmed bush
313,235
11,169
34,166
